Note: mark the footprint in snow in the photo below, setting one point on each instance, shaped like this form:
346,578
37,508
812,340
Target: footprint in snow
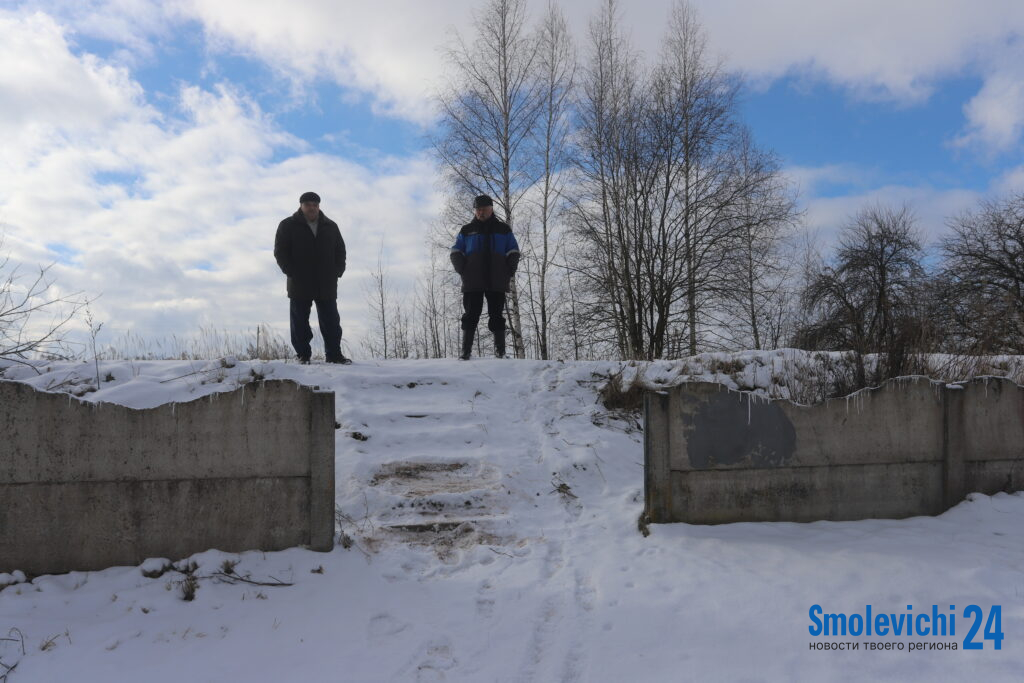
485,600
433,661
385,625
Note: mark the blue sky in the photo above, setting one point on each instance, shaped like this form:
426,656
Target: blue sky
164,141
328,115
820,124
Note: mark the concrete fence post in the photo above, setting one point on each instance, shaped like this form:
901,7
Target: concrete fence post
657,452
954,445
321,464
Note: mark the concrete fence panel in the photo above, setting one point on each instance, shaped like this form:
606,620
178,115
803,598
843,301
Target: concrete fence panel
910,447
91,485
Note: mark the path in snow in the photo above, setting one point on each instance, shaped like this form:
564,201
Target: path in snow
487,461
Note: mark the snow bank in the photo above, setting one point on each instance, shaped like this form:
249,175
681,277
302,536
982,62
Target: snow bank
487,520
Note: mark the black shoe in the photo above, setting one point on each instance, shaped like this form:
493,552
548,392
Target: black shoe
467,344
303,360
499,344
339,360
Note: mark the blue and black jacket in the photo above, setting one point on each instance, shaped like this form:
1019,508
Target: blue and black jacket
485,255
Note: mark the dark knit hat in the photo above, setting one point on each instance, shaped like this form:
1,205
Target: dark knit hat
309,197
481,201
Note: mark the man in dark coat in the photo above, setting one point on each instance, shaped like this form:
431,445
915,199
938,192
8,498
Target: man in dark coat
309,250
485,255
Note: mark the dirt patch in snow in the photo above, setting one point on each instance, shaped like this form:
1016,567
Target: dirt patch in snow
417,479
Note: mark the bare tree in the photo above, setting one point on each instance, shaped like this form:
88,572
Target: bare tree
867,299
488,112
757,299
982,278
605,258
557,63
391,336
698,109
666,184
572,318
435,305
34,314
401,333
808,262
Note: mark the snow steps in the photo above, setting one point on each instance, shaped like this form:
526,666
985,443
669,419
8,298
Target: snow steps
443,504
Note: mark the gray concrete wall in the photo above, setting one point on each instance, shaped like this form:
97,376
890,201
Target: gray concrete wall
91,485
910,447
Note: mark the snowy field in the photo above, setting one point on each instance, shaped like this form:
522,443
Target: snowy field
490,512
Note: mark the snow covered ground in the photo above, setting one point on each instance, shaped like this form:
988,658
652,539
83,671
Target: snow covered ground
490,512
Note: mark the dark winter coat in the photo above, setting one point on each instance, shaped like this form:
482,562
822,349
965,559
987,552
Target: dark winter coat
313,265
485,255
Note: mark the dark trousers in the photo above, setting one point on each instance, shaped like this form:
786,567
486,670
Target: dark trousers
473,305
330,326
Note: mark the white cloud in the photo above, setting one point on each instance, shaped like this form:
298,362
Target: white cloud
43,83
832,194
995,116
894,50
131,23
388,48
932,208
1011,182
183,239
886,48
811,180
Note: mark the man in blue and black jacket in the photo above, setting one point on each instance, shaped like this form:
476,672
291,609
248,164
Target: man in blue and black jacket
485,255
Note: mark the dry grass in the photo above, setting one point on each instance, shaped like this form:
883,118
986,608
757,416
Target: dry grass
620,394
261,343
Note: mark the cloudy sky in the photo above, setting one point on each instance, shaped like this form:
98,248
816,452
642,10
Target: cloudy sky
149,149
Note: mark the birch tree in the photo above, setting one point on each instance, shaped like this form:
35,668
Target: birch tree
557,63
605,260
664,171
757,298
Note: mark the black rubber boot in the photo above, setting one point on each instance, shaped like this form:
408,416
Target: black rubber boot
467,343
499,344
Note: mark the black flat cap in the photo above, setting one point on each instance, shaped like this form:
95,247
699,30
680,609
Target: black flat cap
481,201
309,197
